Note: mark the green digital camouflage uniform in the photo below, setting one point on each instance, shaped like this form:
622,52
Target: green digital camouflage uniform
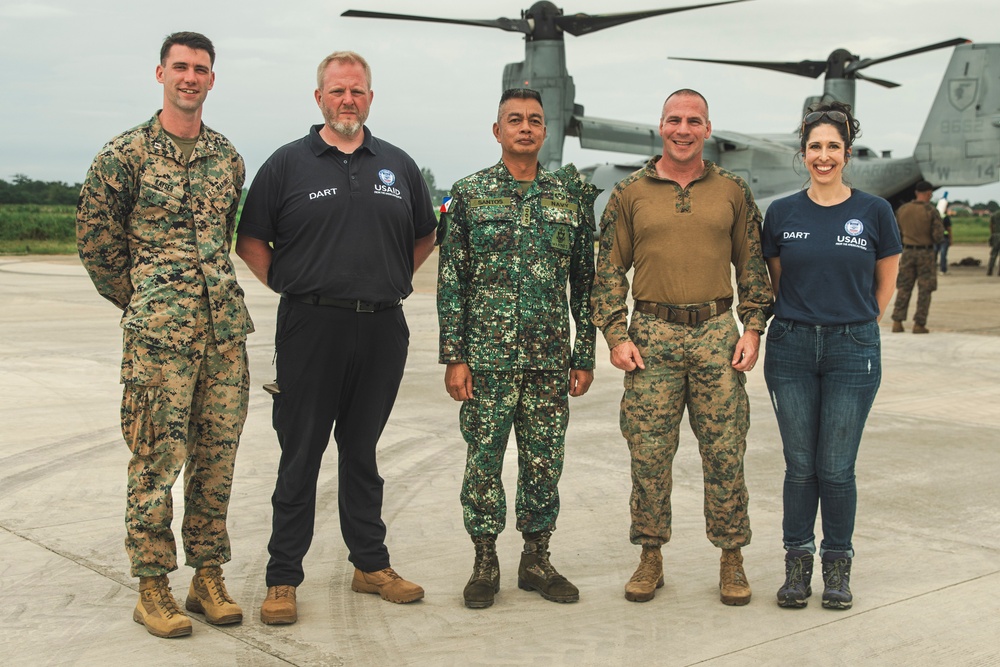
685,365
505,262
154,233
922,229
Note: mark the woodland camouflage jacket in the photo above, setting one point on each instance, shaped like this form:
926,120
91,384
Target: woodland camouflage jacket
154,233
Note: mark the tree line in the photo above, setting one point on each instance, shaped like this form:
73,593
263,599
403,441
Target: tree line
24,190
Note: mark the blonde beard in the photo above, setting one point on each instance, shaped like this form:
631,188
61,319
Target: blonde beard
347,129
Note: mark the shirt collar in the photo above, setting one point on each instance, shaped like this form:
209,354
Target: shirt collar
319,146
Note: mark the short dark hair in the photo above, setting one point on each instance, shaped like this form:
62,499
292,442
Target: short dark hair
842,128
192,40
686,92
521,94
923,186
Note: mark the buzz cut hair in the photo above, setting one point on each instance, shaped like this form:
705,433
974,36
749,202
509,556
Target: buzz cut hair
344,57
685,92
192,40
519,94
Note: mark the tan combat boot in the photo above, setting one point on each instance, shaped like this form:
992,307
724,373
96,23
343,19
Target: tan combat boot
920,328
897,326
208,595
648,576
734,589
386,583
157,609
279,606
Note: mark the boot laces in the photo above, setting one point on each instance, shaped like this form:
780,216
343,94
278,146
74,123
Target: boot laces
214,582
735,570
283,592
835,575
483,568
163,598
794,571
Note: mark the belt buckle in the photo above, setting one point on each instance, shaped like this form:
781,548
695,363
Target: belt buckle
364,307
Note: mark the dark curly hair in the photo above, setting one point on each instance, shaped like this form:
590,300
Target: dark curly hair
849,130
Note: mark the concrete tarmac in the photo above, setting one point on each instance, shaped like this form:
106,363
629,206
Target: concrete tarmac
926,575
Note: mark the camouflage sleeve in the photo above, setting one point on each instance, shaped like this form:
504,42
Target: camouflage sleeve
101,221
239,178
582,265
614,259
752,281
453,275
937,226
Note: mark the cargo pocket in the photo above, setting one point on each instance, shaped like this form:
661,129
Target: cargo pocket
140,404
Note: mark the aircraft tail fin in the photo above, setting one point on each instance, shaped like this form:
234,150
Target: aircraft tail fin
960,142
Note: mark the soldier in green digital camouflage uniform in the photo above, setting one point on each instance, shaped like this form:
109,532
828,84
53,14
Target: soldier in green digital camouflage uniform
516,235
154,225
682,223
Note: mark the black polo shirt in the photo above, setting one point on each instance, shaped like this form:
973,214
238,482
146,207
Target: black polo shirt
342,225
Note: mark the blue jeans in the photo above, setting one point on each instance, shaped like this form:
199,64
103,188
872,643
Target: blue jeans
942,250
822,381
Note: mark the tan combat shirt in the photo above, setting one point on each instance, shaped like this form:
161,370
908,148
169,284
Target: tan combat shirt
920,224
682,243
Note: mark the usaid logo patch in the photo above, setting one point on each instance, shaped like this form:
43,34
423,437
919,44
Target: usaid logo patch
387,176
854,227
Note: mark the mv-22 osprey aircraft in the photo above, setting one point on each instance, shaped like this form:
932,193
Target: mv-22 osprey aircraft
959,145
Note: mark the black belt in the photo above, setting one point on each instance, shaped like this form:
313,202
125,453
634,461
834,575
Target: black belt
685,314
356,305
918,247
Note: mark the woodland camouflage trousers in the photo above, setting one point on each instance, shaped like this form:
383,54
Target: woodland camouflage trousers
686,366
180,410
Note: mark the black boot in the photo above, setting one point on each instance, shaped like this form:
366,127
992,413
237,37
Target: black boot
837,580
797,588
537,574
485,580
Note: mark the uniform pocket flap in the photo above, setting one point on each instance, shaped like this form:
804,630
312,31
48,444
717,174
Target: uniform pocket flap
159,193
145,375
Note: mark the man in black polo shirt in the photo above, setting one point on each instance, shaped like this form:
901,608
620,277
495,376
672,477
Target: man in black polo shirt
337,222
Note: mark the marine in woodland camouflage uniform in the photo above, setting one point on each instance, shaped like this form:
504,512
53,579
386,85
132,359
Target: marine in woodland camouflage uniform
681,230
921,228
154,227
994,242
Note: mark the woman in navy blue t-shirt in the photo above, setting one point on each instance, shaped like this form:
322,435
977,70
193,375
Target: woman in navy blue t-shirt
833,255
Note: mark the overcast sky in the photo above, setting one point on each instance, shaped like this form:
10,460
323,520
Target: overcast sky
76,73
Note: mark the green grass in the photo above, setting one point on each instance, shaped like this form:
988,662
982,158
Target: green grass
20,247
50,230
970,230
35,222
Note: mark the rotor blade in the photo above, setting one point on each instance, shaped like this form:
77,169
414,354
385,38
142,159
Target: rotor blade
881,82
582,24
868,62
510,25
808,68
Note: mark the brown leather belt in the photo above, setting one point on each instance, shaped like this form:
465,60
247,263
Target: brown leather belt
350,304
918,247
690,315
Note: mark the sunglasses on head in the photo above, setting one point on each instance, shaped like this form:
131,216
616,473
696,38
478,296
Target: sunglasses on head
835,116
